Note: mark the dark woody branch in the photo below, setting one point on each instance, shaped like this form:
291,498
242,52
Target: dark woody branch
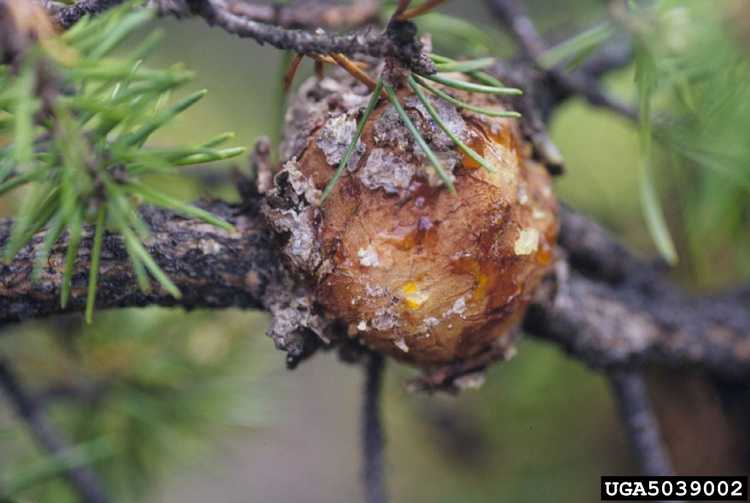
612,56
397,41
312,14
640,423
373,438
610,310
272,27
67,15
212,268
602,310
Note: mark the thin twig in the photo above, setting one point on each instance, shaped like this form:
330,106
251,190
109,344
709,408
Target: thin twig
373,440
291,72
81,478
219,13
401,6
398,41
420,10
641,425
70,15
512,15
612,56
349,65
315,14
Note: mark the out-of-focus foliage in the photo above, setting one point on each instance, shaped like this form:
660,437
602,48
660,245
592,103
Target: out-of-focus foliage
518,439
702,114
691,69
136,402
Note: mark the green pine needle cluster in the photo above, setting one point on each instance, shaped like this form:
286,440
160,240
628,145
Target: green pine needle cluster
690,75
699,69
147,393
79,119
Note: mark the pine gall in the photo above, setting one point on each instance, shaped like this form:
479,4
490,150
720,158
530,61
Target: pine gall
416,272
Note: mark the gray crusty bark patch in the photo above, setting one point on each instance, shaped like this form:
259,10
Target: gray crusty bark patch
317,101
383,170
292,211
336,136
333,105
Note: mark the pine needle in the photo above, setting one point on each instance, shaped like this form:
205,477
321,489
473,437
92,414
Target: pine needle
353,145
462,104
419,10
17,181
291,70
652,210
577,47
393,98
96,255
218,140
455,139
52,235
465,66
474,88
210,156
156,271
139,137
479,76
160,199
354,70
75,229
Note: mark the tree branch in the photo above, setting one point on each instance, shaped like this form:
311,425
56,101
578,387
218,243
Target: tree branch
602,305
610,310
606,326
373,473
612,56
270,27
211,267
67,16
641,425
312,14
309,14
398,41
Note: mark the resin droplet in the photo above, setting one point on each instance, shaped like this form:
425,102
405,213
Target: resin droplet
413,296
527,242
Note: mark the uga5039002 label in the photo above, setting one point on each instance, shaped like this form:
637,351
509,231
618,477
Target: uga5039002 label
676,488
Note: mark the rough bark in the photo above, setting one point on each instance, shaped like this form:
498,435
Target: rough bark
211,267
602,305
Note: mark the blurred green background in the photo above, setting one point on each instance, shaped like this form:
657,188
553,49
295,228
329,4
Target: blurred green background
198,406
